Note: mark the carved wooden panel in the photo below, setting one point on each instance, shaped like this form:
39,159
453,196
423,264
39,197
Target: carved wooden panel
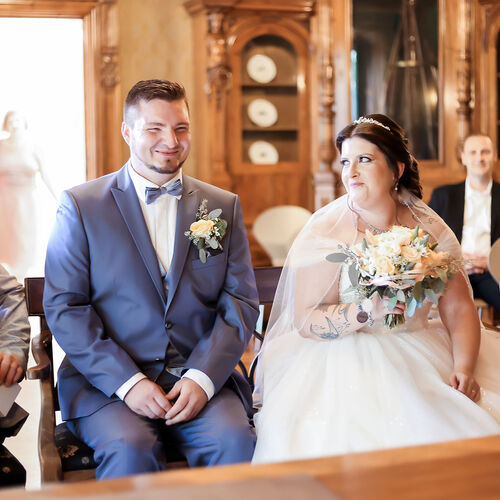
101,72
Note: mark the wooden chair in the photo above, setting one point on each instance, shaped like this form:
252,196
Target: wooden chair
62,456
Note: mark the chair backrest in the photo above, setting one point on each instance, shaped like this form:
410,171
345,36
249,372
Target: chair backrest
34,296
266,278
494,261
276,228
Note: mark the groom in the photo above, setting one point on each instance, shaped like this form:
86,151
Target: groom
151,331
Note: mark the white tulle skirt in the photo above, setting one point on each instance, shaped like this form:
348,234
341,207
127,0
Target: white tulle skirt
370,391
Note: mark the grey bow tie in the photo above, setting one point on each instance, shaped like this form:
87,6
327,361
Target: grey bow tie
174,189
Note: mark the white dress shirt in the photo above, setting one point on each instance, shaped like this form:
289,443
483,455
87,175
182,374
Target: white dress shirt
476,233
161,219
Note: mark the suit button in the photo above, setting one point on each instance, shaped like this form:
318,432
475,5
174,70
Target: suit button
157,359
168,325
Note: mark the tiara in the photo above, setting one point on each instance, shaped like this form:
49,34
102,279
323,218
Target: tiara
362,119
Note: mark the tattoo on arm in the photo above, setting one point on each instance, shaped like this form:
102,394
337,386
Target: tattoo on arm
337,324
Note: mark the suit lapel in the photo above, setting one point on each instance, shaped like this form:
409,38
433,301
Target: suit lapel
495,212
128,204
186,215
458,206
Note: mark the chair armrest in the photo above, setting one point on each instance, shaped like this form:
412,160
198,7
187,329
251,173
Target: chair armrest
43,369
50,460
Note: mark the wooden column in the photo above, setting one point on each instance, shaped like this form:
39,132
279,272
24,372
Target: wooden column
218,85
324,179
464,81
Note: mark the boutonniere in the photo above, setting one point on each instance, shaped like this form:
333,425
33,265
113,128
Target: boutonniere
207,230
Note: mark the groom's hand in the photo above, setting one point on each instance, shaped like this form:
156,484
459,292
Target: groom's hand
191,399
148,399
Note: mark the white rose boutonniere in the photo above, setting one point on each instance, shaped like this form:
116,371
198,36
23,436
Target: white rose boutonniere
207,230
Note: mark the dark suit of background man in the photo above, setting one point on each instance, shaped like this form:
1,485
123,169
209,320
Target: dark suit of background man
151,333
14,343
472,210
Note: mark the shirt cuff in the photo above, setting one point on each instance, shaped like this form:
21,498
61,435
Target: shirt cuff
122,391
202,379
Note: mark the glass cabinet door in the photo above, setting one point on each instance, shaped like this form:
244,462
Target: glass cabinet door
394,67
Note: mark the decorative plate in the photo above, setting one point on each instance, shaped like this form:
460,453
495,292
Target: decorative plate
261,68
262,112
263,152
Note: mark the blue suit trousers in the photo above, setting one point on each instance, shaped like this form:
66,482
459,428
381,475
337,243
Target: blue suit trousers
126,443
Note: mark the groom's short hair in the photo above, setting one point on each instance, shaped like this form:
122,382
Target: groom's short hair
146,90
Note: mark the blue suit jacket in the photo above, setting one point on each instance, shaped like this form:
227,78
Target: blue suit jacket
106,306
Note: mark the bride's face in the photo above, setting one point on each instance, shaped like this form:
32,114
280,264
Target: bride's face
367,177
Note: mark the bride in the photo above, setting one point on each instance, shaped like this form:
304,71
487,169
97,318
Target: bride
332,378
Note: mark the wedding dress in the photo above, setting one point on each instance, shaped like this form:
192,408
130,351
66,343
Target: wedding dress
372,389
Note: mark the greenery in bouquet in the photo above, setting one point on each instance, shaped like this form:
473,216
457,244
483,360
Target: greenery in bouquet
207,231
401,264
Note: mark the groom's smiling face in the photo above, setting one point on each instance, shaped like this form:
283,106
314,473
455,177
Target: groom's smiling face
158,134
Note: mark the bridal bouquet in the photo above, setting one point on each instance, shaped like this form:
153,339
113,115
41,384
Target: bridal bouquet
401,264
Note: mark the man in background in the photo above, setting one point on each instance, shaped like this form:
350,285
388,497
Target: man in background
472,210
14,343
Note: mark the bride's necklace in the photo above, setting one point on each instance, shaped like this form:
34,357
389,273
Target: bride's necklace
374,229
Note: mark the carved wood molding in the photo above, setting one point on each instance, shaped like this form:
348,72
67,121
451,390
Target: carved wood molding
324,180
218,71
301,8
464,80
101,72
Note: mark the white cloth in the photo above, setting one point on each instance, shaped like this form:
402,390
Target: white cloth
476,233
161,220
372,389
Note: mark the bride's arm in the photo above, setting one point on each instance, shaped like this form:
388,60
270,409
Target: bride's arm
331,321
459,315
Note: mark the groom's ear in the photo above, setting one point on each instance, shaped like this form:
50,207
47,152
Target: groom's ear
126,132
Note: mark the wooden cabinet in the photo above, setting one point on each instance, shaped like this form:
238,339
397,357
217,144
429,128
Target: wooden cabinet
253,102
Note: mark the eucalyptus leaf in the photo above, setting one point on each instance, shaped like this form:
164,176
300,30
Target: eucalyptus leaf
437,285
418,291
430,295
400,295
203,255
433,245
409,266
412,306
214,213
415,233
364,244
213,243
200,244
390,292
353,275
392,303
425,240
443,275
336,257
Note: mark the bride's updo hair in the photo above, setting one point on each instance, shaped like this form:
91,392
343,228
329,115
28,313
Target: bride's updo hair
391,139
